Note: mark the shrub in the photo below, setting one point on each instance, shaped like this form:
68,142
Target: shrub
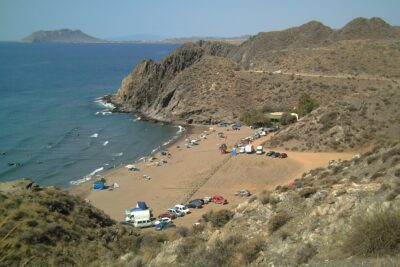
307,192
376,233
306,104
255,118
277,221
219,218
304,253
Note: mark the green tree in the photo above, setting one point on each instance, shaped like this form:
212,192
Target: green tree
306,104
255,118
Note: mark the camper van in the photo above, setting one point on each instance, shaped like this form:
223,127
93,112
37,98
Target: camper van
249,149
137,214
142,223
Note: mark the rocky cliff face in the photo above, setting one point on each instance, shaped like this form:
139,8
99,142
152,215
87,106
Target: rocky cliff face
163,91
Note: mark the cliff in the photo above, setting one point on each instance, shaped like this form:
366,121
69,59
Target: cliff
61,36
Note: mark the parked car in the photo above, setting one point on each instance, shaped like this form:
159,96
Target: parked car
220,200
167,215
182,209
242,150
163,225
243,193
249,149
207,199
276,155
262,133
195,204
256,136
177,213
259,150
161,220
282,155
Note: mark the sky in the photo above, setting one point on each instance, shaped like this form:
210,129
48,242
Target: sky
182,18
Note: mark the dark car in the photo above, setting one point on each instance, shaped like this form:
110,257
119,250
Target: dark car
283,155
195,204
275,155
270,153
163,225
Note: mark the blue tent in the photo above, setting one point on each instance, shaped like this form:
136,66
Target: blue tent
141,205
98,186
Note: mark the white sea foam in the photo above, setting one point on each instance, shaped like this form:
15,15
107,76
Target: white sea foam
181,129
107,105
95,135
87,177
105,143
117,154
155,150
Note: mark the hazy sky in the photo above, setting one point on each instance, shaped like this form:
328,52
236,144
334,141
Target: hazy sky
182,18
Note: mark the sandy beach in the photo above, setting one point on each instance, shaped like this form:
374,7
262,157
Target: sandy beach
199,171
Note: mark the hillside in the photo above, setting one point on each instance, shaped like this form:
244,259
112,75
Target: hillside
61,36
354,122
230,80
346,214
49,227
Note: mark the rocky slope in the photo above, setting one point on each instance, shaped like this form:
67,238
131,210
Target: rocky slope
61,36
351,123
207,82
344,215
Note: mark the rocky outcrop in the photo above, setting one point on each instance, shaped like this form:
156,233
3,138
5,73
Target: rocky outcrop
162,91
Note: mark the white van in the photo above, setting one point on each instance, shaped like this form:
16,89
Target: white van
259,150
249,149
141,223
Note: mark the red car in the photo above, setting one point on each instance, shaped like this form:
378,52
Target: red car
167,215
220,200
282,155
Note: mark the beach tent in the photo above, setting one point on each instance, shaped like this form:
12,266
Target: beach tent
141,205
99,184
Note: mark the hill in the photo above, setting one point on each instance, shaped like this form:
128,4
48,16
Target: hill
61,36
206,82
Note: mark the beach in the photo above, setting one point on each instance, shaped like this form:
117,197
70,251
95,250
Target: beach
198,171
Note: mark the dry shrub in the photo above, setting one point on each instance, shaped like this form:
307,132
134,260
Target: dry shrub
376,233
304,253
219,218
278,220
307,192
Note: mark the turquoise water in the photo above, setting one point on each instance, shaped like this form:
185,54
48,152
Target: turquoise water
51,124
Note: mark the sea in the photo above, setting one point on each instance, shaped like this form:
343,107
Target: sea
54,128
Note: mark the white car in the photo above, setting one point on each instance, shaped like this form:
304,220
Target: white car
177,213
164,219
242,150
207,199
182,209
259,150
262,133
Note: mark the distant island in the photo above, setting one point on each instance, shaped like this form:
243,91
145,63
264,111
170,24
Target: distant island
61,36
